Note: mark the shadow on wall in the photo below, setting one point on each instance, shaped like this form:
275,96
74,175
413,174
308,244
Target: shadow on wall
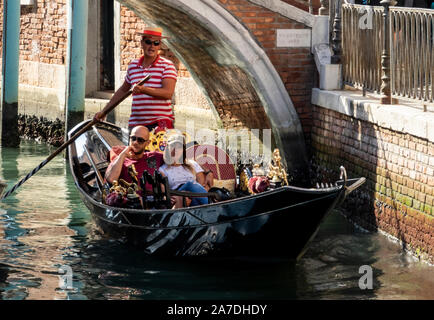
395,196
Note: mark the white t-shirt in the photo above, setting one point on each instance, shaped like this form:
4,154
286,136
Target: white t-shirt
178,175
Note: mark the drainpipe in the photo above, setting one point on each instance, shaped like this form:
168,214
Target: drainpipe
76,62
10,71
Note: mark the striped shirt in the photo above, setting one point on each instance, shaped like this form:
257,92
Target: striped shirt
146,109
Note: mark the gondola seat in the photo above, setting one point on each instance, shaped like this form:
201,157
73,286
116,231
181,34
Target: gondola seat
209,157
214,159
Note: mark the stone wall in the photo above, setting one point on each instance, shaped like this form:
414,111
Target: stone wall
398,196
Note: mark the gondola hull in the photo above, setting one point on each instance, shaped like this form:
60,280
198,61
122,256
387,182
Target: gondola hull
279,222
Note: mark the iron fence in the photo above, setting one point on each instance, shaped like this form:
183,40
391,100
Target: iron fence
412,54
362,38
410,47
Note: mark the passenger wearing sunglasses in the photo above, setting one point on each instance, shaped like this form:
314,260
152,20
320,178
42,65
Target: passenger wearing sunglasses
152,104
135,154
183,174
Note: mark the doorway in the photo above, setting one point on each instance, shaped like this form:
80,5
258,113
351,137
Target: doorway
107,77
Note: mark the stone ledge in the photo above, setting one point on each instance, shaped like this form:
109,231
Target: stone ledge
287,10
396,117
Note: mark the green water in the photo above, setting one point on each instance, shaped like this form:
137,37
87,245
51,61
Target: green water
45,226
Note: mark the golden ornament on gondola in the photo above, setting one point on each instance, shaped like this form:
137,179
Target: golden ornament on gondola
276,172
157,141
245,175
116,187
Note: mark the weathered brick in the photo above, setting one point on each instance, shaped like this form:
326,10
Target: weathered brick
400,177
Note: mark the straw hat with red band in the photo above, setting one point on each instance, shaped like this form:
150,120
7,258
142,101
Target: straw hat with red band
152,32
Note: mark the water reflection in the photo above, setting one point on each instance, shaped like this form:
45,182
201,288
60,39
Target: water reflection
44,225
34,220
118,272
331,266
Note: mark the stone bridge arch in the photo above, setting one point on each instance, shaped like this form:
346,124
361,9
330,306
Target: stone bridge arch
231,68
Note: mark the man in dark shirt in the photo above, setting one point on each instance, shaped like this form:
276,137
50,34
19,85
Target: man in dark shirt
135,154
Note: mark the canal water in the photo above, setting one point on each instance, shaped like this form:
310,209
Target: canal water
47,234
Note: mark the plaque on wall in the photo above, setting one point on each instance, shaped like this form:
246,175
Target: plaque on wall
293,38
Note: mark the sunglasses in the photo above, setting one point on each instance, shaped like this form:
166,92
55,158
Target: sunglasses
149,42
139,140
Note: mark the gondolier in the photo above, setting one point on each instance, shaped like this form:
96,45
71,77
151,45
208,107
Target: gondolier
152,104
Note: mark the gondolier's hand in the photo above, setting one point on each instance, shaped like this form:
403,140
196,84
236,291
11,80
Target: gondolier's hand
99,116
137,89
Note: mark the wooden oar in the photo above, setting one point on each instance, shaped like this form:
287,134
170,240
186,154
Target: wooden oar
67,143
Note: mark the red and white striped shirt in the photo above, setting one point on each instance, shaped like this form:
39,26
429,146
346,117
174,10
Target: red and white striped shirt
146,109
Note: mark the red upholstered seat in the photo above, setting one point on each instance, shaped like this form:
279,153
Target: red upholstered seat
213,158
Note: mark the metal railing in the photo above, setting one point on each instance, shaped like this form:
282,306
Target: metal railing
362,39
412,53
370,35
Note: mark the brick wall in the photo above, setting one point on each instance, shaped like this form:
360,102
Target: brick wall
43,32
295,66
398,196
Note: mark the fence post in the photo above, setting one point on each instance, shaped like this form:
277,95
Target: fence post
336,40
385,97
332,12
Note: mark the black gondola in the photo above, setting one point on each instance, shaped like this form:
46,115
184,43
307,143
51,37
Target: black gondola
279,222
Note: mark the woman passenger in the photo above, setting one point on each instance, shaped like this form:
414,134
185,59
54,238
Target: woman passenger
182,174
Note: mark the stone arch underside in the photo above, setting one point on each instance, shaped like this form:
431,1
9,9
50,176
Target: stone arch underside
233,71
